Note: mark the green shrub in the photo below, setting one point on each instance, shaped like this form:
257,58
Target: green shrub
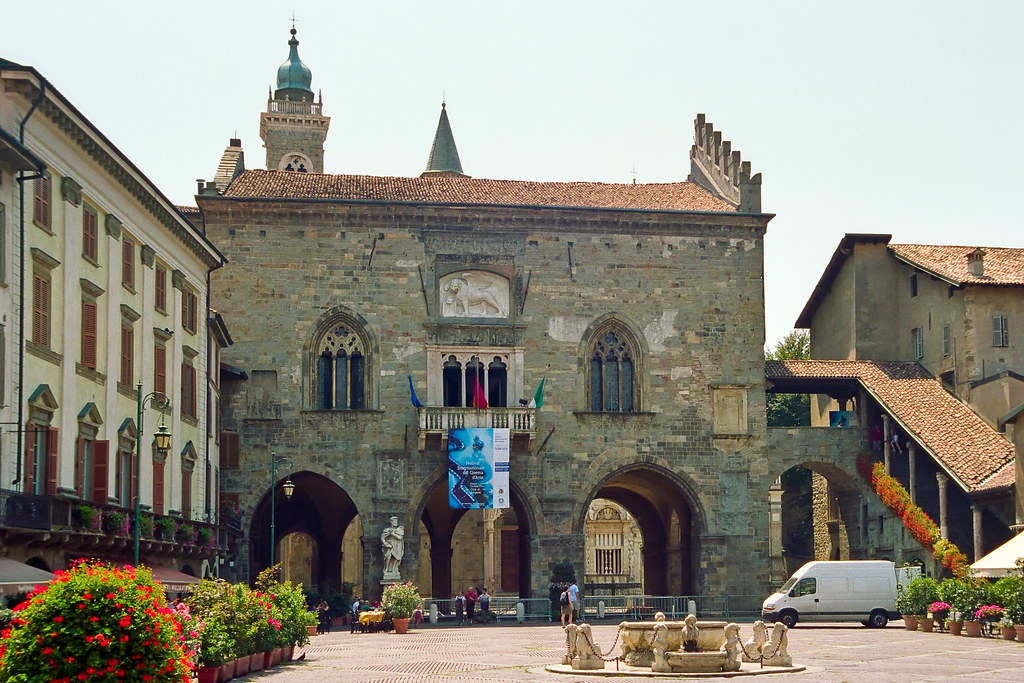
964,595
918,596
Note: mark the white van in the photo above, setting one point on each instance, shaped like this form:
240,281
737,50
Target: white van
853,590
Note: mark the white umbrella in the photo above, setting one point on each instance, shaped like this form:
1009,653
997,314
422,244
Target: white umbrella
1002,560
18,577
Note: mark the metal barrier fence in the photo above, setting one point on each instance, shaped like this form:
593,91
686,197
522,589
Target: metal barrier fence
612,607
644,607
502,609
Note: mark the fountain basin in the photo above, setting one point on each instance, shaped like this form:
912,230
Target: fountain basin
638,636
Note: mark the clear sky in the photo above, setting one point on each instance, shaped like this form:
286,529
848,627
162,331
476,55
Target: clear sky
888,117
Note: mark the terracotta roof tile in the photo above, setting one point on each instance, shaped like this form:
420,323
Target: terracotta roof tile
970,449
1003,265
683,196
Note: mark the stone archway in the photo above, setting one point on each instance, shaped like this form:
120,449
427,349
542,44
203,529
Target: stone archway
660,506
489,548
318,508
817,508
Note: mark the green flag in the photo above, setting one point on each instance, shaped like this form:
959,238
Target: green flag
538,398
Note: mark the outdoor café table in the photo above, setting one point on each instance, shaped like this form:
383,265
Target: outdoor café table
371,620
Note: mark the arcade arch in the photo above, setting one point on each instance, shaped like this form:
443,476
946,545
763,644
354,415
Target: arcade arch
663,510
316,525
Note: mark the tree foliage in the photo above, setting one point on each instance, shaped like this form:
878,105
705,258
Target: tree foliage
790,410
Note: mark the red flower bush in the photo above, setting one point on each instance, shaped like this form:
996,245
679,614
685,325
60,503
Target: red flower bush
917,521
95,623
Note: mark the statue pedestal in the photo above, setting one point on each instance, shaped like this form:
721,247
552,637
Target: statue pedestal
391,578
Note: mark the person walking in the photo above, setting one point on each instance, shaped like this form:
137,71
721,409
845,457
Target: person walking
574,598
460,608
471,598
485,605
355,613
565,606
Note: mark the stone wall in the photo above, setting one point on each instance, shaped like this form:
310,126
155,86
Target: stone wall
687,287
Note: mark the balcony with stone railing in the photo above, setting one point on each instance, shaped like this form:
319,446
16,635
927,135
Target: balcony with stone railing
436,421
293,107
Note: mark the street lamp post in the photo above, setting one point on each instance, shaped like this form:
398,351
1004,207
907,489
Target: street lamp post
163,443
288,487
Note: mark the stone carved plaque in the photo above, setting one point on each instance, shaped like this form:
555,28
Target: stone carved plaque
474,294
390,477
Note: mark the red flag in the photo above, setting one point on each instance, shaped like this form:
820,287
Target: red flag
479,399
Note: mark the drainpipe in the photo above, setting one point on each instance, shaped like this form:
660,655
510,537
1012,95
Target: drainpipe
21,275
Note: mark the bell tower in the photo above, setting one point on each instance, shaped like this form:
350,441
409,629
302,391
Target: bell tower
294,128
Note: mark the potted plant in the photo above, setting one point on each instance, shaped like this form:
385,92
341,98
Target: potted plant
115,522
146,526
914,600
87,518
186,534
339,602
166,527
939,612
95,616
400,600
965,596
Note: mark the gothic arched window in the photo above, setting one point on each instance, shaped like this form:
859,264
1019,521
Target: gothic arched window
612,373
341,370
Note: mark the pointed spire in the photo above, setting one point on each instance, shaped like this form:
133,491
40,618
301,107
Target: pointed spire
444,156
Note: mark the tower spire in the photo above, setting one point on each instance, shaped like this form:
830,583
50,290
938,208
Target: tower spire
444,156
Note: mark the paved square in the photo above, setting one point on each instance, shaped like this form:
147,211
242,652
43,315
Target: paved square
499,653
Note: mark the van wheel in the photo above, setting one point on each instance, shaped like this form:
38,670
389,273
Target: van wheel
878,619
788,617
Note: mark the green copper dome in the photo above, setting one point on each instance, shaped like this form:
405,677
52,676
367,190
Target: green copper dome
293,77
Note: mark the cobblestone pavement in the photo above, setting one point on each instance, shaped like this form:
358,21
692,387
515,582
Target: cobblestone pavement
500,654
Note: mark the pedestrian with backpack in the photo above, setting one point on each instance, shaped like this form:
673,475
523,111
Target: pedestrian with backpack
565,602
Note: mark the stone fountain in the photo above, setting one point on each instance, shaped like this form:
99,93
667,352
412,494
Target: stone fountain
681,647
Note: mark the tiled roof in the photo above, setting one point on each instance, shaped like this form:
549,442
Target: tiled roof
1002,265
960,441
448,190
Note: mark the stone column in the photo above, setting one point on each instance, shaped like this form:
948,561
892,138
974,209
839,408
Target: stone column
776,562
490,554
886,437
912,462
942,479
976,523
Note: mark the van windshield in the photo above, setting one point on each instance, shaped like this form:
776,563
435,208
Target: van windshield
786,587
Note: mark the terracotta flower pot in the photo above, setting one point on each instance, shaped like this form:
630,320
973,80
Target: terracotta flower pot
311,630
1019,628
256,661
1008,632
927,624
955,627
910,621
289,652
268,659
241,666
401,625
972,628
227,671
208,674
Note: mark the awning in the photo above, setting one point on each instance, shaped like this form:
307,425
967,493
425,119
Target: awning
18,577
1002,560
174,581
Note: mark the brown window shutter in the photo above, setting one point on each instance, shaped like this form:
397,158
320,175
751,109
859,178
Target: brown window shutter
89,224
80,467
128,263
229,450
41,208
158,487
100,465
30,457
89,334
41,311
127,349
160,368
51,461
161,288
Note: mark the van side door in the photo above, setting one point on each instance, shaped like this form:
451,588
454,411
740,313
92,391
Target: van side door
804,598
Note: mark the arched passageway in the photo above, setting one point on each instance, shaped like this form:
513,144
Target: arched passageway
318,508
481,548
659,505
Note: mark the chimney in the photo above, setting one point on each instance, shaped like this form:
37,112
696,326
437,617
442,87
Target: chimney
976,263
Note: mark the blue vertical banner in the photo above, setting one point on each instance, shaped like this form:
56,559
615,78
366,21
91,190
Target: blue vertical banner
478,462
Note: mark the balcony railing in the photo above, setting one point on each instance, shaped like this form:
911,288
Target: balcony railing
435,420
291,107
25,511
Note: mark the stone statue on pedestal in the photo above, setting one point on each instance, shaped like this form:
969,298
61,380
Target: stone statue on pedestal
392,542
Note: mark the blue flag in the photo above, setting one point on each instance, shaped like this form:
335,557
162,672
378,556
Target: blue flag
412,390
